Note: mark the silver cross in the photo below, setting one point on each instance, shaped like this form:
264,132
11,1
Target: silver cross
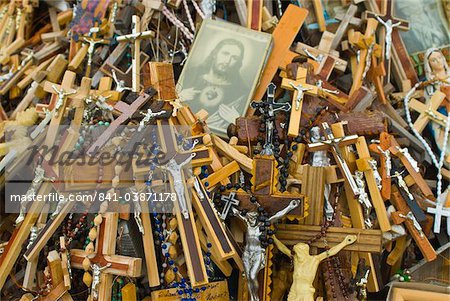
229,202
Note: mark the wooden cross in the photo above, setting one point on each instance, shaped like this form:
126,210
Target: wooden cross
417,177
346,20
403,216
318,9
377,201
92,41
368,240
135,37
20,235
20,70
210,221
382,149
254,14
106,259
173,161
162,80
126,112
59,97
266,192
366,44
400,58
283,36
356,213
428,112
300,87
334,145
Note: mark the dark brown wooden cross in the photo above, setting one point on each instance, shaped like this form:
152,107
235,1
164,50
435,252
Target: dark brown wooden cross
265,191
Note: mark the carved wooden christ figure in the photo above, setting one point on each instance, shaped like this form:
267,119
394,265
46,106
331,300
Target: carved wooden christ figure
254,254
305,267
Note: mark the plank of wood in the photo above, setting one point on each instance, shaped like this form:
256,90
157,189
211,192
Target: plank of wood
283,36
368,240
313,187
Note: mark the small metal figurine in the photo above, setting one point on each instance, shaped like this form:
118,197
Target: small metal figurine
368,60
305,266
254,254
320,158
62,94
363,197
6,77
402,184
120,84
147,117
388,37
34,231
96,271
174,169
376,174
300,92
387,157
39,177
318,58
408,156
137,208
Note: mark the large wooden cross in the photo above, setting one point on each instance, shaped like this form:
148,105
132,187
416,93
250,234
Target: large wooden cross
126,111
300,87
105,257
173,161
135,37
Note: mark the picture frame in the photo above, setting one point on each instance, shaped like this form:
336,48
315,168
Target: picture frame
222,71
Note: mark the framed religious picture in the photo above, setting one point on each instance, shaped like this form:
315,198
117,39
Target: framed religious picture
222,71
428,24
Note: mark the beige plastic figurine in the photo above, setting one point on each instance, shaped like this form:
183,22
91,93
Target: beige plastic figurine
305,267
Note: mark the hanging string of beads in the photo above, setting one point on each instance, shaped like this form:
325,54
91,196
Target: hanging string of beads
172,18
436,163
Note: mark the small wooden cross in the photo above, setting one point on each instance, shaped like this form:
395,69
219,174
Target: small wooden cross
366,45
404,215
382,149
428,112
300,87
135,37
346,19
93,42
59,291
265,190
334,145
126,112
105,258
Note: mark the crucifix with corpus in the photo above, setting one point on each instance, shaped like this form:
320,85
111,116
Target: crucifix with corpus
135,38
173,160
272,107
104,263
391,38
300,87
334,145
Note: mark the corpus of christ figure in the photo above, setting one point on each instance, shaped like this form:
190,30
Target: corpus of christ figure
254,254
305,266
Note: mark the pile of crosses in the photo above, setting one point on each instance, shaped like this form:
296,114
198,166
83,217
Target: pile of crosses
334,153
